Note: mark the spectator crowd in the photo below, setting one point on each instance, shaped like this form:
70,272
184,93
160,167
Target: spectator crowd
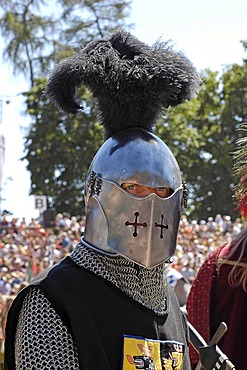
27,248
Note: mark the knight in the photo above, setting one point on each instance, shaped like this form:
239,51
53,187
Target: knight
107,305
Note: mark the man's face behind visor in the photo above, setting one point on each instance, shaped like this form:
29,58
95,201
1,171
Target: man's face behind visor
139,190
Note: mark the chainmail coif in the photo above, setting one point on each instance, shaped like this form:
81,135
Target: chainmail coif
146,286
42,340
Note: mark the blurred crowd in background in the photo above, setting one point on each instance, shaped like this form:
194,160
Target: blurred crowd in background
27,248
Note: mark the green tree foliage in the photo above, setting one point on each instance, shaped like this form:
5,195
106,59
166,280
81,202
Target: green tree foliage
202,134
59,150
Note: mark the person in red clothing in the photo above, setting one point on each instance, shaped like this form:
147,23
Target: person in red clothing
219,291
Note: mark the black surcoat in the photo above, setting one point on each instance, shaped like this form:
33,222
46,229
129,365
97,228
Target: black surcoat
99,316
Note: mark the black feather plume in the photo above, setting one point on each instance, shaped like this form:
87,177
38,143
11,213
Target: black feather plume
131,81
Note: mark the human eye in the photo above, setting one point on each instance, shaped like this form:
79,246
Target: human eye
130,187
163,191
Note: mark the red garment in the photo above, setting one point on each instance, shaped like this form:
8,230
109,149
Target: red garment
213,300
198,302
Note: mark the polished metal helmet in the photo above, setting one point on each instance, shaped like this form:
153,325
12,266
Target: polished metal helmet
142,229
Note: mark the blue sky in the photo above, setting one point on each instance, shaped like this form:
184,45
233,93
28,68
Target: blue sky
209,33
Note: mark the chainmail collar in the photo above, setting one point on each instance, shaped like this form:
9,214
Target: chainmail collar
146,286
